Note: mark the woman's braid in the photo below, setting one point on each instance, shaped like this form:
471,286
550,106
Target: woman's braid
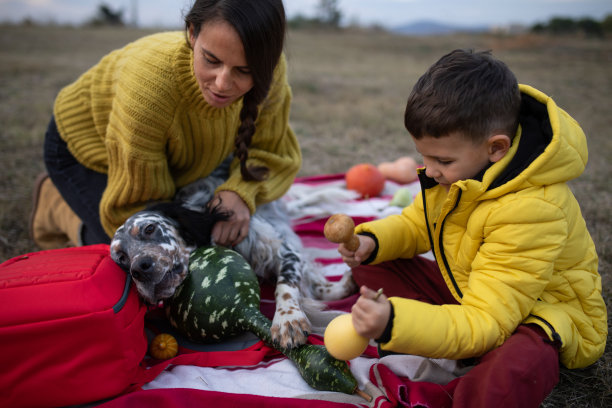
248,115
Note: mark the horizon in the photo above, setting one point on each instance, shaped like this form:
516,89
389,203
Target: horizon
385,13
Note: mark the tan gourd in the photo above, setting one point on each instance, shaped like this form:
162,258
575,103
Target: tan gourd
402,170
339,229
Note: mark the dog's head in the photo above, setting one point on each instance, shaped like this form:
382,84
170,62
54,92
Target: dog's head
154,246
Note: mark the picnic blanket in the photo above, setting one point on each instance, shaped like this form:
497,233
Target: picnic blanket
260,376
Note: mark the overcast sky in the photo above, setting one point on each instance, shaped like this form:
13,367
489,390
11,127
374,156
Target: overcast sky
385,12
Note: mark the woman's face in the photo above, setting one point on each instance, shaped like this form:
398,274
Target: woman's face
220,64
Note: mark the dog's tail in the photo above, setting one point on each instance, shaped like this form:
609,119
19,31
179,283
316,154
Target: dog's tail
318,314
317,286
319,289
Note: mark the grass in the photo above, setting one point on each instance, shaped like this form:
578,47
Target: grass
349,92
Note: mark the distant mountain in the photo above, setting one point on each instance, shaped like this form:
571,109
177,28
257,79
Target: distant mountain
426,27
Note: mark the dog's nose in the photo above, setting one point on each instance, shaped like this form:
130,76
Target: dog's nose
141,270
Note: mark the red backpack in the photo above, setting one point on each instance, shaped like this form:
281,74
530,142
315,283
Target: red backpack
72,331
71,328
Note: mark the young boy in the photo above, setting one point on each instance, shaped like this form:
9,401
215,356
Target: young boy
514,285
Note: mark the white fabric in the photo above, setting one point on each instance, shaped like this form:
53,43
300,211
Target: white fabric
280,377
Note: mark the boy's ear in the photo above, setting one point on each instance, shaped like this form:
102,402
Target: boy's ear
498,146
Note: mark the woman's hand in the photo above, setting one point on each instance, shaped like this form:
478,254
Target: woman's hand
355,258
370,313
231,232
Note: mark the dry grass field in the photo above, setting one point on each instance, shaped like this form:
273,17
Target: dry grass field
349,93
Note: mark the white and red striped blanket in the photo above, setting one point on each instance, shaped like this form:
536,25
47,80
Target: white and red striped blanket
272,380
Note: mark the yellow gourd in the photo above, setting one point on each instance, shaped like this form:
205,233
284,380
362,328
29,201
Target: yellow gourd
163,346
342,341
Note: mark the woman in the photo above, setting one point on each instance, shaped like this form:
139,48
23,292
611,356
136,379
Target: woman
162,112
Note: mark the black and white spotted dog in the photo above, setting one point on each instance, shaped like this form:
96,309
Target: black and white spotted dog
154,247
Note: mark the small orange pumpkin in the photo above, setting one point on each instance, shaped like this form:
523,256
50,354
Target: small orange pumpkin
163,346
366,179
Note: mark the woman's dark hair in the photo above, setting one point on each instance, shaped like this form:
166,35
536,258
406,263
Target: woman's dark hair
468,92
261,27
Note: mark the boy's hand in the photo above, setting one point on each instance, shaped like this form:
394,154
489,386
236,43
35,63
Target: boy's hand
355,258
370,314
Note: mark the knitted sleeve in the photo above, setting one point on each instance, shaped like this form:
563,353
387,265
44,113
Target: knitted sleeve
136,136
139,116
274,145
115,119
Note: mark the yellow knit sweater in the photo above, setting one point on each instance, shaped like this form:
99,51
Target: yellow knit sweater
139,116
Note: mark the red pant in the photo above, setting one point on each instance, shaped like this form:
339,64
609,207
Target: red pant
519,373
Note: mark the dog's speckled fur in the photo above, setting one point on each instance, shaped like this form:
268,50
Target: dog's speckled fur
154,246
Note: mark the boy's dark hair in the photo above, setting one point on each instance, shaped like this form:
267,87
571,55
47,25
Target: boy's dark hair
261,28
467,92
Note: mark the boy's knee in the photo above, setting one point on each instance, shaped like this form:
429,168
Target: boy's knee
519,373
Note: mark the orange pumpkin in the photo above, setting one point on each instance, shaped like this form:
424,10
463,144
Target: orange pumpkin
366,179
163,346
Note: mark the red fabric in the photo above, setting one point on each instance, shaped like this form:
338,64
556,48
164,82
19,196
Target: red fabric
186,397
54,361
519,373
402,392
252,355
417,278
320,179
62,343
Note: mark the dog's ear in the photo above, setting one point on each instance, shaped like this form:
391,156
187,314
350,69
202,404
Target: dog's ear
195,226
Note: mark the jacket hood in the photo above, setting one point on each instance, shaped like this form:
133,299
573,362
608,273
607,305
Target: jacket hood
549,148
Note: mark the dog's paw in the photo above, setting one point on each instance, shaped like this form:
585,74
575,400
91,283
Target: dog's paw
290,329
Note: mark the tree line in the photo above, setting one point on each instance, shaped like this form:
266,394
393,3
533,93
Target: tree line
328,14
586,26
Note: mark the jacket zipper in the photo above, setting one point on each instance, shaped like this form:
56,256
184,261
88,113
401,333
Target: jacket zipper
441,245
430,234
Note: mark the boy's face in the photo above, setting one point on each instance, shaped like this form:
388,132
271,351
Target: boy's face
452,158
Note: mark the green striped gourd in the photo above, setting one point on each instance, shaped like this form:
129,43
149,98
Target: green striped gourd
220,298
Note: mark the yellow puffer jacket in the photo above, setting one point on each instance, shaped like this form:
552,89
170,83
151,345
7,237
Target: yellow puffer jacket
512,247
